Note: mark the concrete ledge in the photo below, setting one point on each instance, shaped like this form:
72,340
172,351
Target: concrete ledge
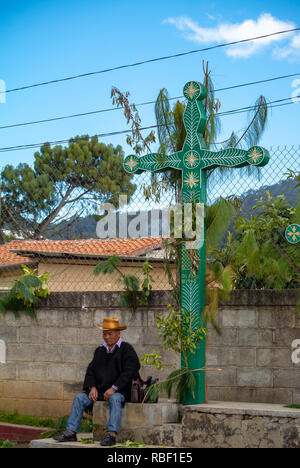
139,423
240,425
50,443
251,409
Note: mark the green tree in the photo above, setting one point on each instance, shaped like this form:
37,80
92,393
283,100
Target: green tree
47,198
259,251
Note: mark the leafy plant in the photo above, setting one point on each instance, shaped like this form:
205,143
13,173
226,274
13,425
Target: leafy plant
25,292
130,444
259,252
146,285
180,332
219,278
86,441
6,444
152,359
131,296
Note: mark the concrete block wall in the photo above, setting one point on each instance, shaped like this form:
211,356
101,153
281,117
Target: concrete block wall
259,329
46,358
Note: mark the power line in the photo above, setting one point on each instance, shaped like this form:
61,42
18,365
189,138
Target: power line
121,132
82,114
166,57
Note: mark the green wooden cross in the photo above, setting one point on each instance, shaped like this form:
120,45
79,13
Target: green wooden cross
193,161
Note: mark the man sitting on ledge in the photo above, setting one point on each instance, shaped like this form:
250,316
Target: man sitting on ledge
108,377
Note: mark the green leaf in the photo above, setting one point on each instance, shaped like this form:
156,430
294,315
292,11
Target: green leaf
31,281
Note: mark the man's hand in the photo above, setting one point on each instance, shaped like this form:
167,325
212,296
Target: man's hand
109,393
93,395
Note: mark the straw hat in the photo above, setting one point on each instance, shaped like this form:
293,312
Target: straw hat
111,323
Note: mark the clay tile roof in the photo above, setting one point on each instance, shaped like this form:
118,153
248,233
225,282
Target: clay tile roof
14,252
8,258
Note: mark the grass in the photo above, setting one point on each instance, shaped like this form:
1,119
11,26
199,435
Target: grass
293,406
57,425
5,444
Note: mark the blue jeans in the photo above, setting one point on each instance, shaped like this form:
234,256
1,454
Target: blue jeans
82,401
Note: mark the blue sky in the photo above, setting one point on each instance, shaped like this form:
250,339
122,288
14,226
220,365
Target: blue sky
45,40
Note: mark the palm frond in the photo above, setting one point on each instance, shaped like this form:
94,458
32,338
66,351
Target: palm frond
218,218
213,124
257,122
165,122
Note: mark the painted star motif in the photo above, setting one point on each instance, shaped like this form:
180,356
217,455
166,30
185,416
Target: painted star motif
294,234
191,180
191,90
192,159
255,155
131,163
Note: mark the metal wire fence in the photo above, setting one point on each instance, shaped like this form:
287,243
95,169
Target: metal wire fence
57,226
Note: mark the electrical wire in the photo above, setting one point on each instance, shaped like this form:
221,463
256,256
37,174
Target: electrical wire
277,103
82,114
120,67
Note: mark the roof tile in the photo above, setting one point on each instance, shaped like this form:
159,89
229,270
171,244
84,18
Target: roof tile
121,247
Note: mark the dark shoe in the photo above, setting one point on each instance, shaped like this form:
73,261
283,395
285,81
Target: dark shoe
108,440
67,436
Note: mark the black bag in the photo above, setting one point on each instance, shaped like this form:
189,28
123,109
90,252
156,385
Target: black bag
139,389
137,392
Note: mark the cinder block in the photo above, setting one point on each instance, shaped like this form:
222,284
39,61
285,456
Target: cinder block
24,352
70,390
228,337
133,336
276,317
78,354
285,336
239,318
8,334
273,357
214,356
50,317
23,321
17,389
8,371
62,373
78,318
63,335
223,378
149,336
296,397
31,406
287,378
247,377
47,390
137,319
33,335
255,337
34,353
237,357
29,371
57,409
89,336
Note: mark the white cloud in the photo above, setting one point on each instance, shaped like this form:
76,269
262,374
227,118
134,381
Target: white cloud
291,51
225,32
